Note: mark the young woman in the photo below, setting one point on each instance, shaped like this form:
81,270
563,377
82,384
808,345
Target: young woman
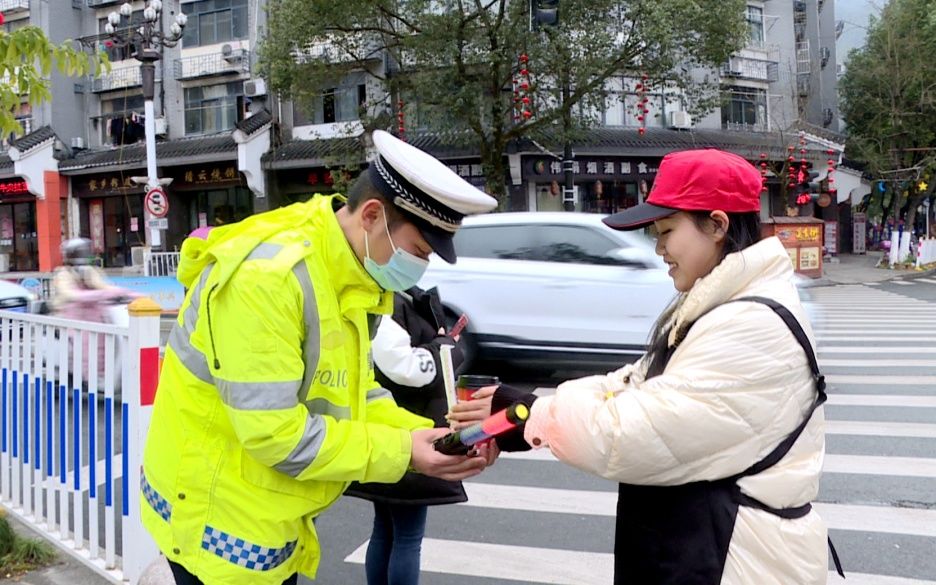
716,435
406,351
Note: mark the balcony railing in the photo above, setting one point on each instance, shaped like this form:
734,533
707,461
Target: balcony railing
223,63
754,69
120,78
97,3
13,5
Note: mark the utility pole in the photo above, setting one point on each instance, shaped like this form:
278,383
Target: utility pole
543,14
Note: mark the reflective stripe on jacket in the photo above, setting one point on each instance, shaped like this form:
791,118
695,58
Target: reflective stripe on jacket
267,406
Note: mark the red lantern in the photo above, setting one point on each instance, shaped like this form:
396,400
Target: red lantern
638,87
524,72
830,152
641,131
640,118
644,76
524,58
763,155
527,114
525,99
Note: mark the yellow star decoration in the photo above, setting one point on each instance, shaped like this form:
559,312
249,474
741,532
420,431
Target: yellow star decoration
922,186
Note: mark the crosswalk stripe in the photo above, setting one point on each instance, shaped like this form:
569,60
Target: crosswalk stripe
596,503
880,429
879,363
505,562
927,280
884,381
902,282
863,349
525,564
875,465
881,399
858,336
833,463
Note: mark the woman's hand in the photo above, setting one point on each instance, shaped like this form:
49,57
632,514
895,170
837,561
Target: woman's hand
473,411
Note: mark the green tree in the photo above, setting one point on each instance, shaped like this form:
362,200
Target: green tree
27,58
452,63
889,105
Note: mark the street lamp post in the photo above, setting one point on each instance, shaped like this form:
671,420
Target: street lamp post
146,42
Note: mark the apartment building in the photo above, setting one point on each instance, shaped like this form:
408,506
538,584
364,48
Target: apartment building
214,121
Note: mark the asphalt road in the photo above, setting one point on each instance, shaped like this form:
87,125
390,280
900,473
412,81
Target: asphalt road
534,520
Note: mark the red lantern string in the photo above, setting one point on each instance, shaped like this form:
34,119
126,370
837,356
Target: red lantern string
522,100
642,108
401,125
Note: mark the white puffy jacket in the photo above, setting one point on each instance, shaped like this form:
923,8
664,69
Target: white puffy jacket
735,387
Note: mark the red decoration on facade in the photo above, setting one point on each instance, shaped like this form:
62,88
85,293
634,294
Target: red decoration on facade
13,188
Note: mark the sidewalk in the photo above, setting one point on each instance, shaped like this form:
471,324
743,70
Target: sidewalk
857,269
68,571
65,570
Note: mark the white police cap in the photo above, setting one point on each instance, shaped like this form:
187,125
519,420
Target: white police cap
428,192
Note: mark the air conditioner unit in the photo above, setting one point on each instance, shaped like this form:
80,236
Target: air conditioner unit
255,87
77,142
680,119
137,255
160,126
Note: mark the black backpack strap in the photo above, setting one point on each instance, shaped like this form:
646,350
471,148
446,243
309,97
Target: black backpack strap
797,330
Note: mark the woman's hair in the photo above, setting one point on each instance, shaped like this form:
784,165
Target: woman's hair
743,231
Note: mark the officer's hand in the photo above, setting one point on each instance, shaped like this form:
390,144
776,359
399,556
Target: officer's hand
467,413
427,461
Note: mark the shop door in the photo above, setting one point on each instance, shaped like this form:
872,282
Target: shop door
19,241
118,237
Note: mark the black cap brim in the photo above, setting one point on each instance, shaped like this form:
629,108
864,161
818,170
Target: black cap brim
637,217
440,240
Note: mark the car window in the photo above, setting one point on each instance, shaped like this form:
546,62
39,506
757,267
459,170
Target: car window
506,242
575,244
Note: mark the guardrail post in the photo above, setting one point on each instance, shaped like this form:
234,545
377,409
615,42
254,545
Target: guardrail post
139,391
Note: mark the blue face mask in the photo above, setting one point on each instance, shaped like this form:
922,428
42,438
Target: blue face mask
401,272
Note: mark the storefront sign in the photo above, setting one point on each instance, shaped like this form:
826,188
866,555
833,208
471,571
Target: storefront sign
809,258
16,187
859,225
104,185
791,234
206,175
96,219
589,167
134,224
831,237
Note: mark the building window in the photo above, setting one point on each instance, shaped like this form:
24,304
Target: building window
213,108
620,103
122,120
755,19
745,108
335,104
214,21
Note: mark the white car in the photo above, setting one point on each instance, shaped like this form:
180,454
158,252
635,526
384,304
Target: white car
14,297
560,290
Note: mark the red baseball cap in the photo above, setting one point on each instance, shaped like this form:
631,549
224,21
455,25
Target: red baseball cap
695,180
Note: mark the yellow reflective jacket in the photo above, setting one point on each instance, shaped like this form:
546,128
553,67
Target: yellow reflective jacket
267,406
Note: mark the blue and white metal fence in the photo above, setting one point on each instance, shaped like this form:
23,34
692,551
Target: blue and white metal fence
71,438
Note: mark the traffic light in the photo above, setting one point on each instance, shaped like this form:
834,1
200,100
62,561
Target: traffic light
544,13
807,188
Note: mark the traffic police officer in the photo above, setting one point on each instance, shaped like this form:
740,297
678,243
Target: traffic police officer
267,406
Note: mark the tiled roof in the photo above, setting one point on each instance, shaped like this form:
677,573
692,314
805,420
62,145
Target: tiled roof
604,141
170,152
314,152
6,164
250,125
34,139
